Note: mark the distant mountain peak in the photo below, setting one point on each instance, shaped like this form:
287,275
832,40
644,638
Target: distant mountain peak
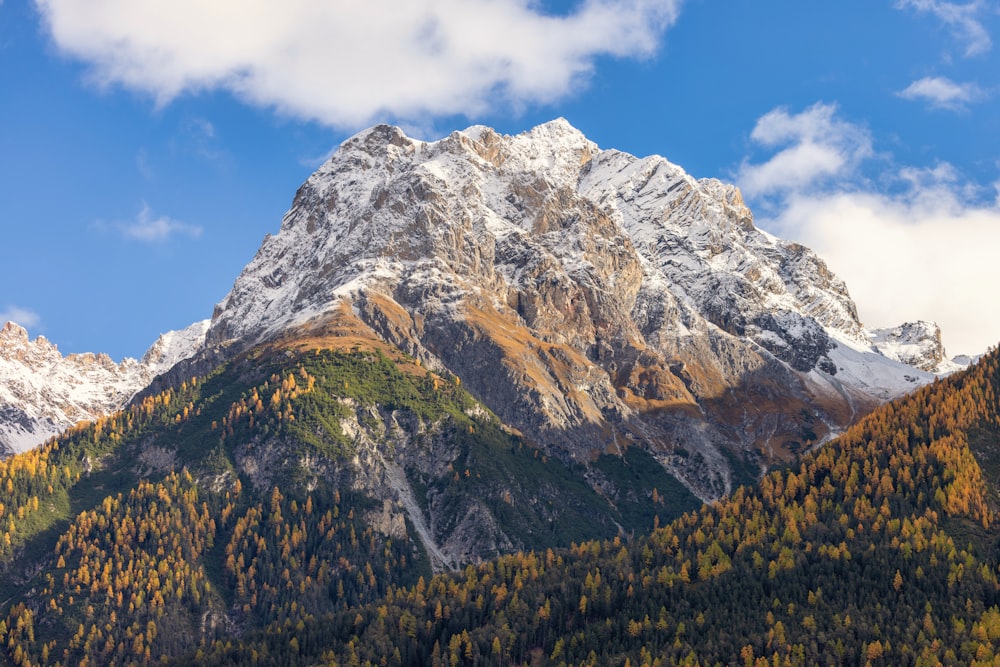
43,392
916,344
14,338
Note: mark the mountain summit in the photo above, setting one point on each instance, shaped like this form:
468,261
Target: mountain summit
592,299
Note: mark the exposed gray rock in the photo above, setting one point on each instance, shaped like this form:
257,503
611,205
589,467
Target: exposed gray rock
580,293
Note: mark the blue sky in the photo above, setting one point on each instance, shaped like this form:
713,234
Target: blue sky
147,146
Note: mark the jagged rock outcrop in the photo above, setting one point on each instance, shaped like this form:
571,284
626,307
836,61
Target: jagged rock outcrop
916,344
43,392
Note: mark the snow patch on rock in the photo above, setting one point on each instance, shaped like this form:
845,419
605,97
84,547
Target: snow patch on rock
43,392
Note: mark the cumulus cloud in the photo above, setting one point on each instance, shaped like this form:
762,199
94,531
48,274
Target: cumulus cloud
924,248
943,93
347,63
147,227
961,19
22,316
814,145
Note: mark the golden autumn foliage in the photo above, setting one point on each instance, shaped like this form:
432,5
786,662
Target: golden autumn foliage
879,547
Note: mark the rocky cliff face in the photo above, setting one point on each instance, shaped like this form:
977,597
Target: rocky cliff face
593,300
42,392
916,344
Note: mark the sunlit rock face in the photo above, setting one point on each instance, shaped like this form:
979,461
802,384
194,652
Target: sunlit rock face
592,299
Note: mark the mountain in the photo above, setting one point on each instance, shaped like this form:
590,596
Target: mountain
240,518
607,313
465,407
42,392
916,344
591,299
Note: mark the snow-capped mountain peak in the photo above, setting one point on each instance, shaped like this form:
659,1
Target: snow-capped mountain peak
578,291
43,392
916,344
592,299
174,346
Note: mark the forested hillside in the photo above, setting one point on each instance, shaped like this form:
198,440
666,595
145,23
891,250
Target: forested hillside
233,521
878,549
263,494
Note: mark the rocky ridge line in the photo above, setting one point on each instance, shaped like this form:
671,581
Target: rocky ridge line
43,392
594,300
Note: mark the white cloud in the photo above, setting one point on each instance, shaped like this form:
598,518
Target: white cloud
150,228
943,93
904,260
347,63
22,316
815,146
926,250
315,161
961,19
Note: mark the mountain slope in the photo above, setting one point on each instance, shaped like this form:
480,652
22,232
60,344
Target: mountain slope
593,300
880,549
278,544
287,538
42,392
292,480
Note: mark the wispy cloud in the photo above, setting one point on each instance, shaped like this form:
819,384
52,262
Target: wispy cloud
25,317
961,19
144,165
943,93
197,136
347,63
316,161
148,227
920,247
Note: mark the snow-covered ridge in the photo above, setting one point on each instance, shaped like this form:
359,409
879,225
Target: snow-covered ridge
578,291
385,204
916,344
43,392
174,346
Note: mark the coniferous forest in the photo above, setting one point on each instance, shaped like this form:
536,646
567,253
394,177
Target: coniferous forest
142,538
